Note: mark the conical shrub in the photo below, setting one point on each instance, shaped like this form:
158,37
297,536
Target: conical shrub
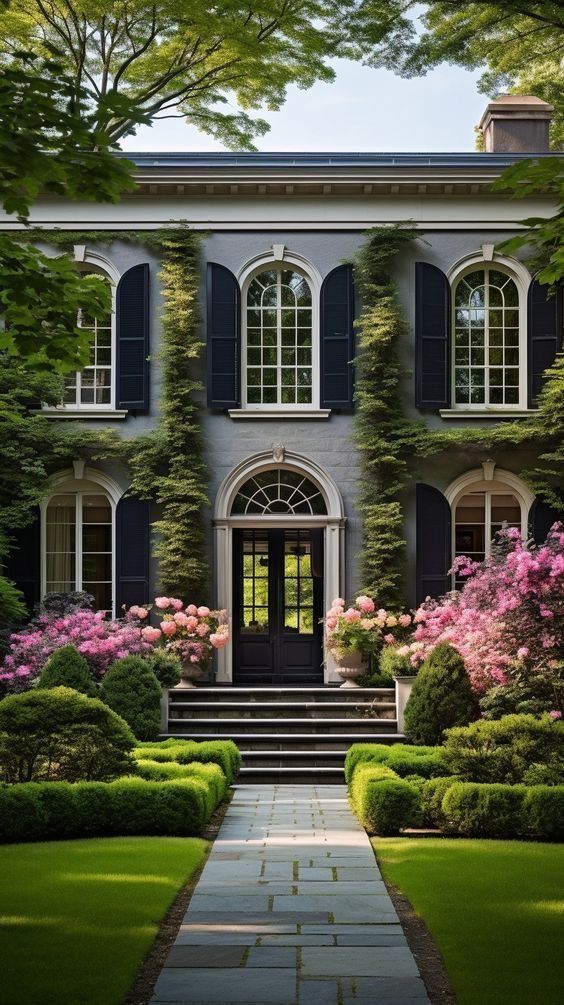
441,697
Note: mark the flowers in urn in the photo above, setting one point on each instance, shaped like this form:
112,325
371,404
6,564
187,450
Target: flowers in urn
355,633
192,633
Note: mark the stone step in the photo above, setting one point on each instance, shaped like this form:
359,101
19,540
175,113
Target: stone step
281,710
291,741
291,775
270,727
328,693
293,758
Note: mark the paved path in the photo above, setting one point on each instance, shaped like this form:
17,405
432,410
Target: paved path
290,908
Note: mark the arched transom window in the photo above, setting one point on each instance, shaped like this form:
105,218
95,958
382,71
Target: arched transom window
487,354
279,491
78,545
279,343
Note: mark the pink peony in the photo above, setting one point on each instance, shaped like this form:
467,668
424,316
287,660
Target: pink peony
176,605
219,641
191,623
331,623
135,610
202,629
366,604
192,610
404,620
203,612
338,602
162,603
168,627
151,634
181,619
142,613
351,615
389,640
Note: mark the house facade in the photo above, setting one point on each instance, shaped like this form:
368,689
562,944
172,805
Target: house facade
278,304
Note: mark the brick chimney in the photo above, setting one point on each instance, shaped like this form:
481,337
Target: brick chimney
516,124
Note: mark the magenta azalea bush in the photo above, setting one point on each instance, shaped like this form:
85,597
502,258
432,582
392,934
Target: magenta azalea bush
100,641
192,633
507,622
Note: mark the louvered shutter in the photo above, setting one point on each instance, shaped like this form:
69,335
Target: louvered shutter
133,547
541,518
433,543
337,338
23,563
432,337
223,338
132,320
544,334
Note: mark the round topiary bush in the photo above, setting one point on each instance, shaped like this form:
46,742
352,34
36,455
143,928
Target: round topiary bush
67,668
57,734
165,666
441,697
517,748
132,690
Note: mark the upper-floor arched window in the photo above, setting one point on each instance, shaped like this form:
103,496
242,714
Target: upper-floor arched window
279,352
489,352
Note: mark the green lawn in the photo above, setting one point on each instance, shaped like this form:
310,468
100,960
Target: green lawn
495,909
77,917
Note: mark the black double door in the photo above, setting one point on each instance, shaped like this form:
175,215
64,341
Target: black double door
278,604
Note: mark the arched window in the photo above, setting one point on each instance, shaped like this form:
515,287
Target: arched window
279,491
489,352
78,538
278,361
483,506
94,386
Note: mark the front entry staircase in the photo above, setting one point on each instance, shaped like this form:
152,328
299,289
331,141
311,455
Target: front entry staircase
286,734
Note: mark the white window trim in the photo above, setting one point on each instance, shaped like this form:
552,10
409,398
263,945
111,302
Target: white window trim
489,479
279,258
488,259
92,261
92,481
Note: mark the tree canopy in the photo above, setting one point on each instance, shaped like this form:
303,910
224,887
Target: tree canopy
185,58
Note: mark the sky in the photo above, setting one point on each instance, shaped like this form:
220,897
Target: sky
363,109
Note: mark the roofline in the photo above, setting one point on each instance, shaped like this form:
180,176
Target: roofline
326,159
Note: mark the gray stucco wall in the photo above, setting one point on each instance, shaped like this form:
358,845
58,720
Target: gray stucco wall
328,443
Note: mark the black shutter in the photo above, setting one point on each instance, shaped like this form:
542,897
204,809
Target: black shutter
433,543
337,338
223,338
133,545
541,518
132,318
544,334
432,337
23,563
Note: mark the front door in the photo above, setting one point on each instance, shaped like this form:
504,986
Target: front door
278,604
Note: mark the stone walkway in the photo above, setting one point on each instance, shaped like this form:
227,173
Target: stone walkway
290,910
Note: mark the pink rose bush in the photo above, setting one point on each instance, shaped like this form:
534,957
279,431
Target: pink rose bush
192,633
100,641
507,622
360,627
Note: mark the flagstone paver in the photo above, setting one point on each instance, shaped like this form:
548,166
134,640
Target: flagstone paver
290,909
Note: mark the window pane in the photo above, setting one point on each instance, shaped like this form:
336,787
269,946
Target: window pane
60,544
278,320
253,614
487,320
93,385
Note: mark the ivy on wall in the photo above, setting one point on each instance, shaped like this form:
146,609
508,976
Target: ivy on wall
167,464
390,443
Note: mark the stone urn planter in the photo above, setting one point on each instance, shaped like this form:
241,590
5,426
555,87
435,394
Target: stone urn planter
190,672
350,666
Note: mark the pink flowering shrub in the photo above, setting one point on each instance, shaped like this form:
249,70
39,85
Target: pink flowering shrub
360,627
507,622
191,633
100,642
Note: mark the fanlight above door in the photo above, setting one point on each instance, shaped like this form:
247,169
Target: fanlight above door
279,491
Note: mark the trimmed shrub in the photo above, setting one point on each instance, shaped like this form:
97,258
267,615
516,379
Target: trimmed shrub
383,802
212,774
222,752
543,812
52,810
405,760
530,697
132,690
494,811
507,750
432,795
67,668
393,665
441,697
165,666
57,734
